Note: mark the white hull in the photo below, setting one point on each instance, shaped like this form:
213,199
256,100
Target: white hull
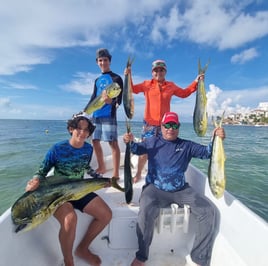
242,239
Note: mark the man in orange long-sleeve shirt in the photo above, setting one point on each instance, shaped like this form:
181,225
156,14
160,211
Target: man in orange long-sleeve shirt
158,93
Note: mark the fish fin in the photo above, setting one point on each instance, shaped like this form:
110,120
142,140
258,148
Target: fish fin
20,227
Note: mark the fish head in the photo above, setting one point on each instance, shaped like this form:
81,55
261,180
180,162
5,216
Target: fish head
113,90
31,209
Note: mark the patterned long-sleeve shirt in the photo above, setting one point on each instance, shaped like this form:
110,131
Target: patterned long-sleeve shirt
67,161
168,160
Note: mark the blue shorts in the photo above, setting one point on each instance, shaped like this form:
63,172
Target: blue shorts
106,129
149,131
81,203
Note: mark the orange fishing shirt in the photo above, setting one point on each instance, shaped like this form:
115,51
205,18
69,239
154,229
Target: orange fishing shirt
157,98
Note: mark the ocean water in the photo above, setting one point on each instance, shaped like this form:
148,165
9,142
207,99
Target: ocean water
23,144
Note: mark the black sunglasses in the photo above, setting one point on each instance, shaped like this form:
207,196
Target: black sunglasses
171,125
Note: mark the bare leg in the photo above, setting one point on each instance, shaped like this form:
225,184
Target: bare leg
99,155
116,157
67,218
102,216
136,262
141,163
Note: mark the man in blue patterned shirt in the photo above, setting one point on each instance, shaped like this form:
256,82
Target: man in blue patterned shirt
70,159
168,159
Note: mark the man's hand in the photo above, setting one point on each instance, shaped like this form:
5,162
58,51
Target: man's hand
105,97
32,184
128,137
200,77
219,131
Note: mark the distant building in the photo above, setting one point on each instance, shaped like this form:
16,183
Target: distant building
257,116
263,106
262,109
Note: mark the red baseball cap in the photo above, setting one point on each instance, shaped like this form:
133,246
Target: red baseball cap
170,117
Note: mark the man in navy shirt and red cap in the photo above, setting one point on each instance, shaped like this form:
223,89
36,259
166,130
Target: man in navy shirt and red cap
168,159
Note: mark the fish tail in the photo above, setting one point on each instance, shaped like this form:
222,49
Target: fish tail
130,61
116,185
204,69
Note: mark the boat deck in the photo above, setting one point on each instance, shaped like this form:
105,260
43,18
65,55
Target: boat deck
117,243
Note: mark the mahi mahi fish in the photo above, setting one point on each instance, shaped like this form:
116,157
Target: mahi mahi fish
128,99
112,90
34,207
127,170
216,171
200,119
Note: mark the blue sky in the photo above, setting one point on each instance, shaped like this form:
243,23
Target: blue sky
47,52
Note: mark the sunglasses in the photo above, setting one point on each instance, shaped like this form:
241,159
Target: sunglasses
171,125
159,64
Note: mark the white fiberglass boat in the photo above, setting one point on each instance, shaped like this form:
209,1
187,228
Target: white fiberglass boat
241,241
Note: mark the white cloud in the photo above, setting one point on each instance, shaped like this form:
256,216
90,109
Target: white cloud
82,83
220,24
17,85
234,101
244,56
4,102
7,109
34,28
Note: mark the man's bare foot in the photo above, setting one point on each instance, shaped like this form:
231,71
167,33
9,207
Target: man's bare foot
136,178
137,262
89,257
101,170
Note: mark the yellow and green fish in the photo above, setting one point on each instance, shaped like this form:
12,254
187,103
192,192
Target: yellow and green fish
200,118
112,90
128,99
34,207
216,169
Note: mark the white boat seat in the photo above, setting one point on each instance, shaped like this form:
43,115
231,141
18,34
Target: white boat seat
173,217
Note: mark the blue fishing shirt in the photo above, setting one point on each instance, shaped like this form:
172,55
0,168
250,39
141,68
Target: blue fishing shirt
67,161
101,83
168,160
